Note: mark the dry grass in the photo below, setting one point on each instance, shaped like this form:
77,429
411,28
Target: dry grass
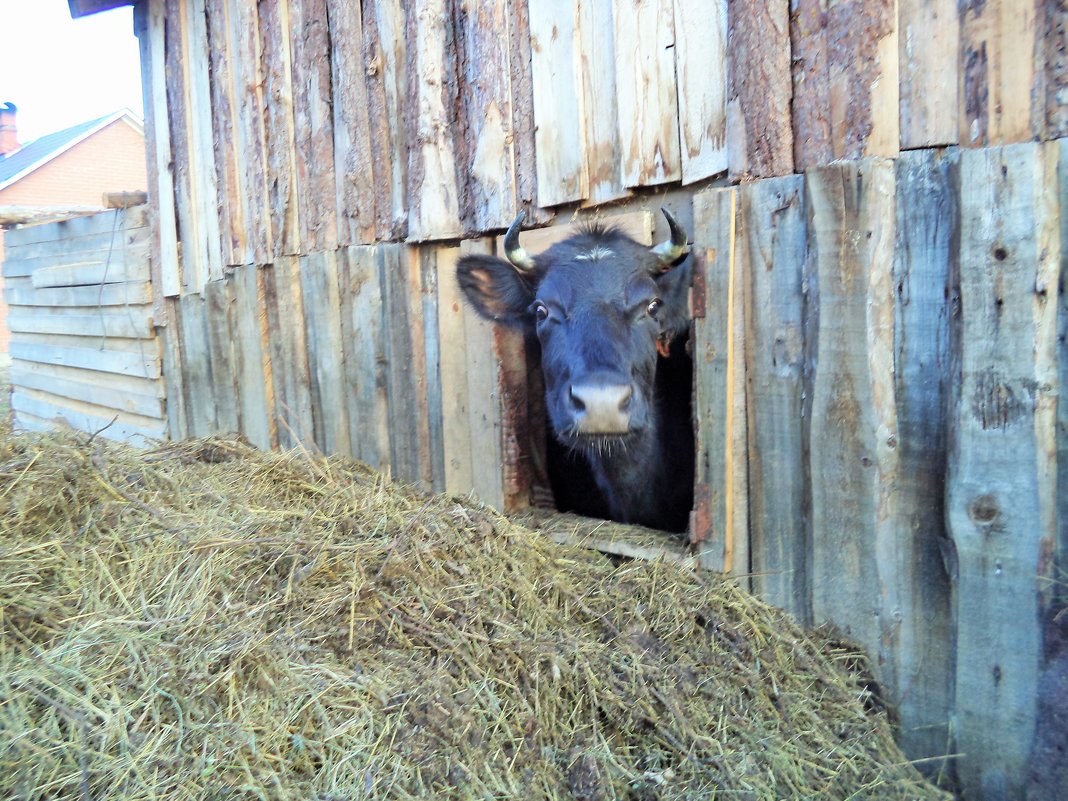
206,621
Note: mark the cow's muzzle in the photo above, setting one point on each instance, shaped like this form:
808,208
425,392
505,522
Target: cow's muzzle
601,408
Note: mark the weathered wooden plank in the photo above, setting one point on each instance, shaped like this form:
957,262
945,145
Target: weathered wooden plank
132,261
255,384
136,357
22,259
288,350
276,72
432,455
1052,114
168,330
638,225
310,41
132,293
701,72
322,317
1001,506
557,95
135,324
356,172
193,346
928,53
123,393
645,85
433,196
458,462
771,240
401,377
31,406
845,77
94,270
713,218
520,59
386,63
227,137
161,164
925,274
997,71
853,459
600,109
222,342
483,423
1061,554
760,138
364,353
484,149
61,232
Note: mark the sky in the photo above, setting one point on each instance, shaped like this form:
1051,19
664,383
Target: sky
61,72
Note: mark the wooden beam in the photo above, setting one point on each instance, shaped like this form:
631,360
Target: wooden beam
34,215
83,8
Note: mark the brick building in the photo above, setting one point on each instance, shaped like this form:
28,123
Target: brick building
71,168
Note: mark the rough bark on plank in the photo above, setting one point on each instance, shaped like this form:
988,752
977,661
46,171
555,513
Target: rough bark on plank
386,64
600,118
558,110
645,81
701,72
1001,506
998,73
224,109
434,211
362,332
484,141
857,568
926,281
1053,38
168,279
771,242
322,317
255,383
276,73
356,173
519,60
310,43
928,48
288,350
845,80
760,139
713,215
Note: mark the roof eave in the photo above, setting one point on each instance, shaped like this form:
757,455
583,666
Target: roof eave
83,8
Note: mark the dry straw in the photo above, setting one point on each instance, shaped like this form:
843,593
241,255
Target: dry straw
206,621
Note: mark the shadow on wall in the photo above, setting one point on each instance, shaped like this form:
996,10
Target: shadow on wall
1049,753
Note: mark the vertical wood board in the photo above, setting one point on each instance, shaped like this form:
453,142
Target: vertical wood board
287,346
701,73
928,52
255,384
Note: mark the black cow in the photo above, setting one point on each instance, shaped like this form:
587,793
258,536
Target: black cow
611,317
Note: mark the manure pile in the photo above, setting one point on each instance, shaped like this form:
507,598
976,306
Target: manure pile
206,621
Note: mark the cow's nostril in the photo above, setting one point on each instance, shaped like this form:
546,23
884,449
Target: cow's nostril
576,401
624,402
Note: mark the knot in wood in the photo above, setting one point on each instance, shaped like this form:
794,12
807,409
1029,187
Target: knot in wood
984,510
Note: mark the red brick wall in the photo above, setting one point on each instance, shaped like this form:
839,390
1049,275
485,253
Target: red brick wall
111,160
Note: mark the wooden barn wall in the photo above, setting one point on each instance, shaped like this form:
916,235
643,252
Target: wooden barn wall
83,344
873,189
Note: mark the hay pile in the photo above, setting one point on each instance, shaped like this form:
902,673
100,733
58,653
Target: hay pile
208,621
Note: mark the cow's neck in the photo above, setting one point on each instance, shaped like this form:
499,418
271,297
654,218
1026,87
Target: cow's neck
629,478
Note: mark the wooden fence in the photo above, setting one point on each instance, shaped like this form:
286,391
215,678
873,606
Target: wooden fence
83,344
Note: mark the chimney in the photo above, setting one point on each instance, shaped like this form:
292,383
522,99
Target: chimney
9,134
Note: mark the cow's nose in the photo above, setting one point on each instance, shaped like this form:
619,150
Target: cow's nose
601,408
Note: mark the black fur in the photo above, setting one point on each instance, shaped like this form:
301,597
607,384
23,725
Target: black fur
597,286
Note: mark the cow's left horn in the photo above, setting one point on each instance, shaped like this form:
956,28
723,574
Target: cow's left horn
671,250
519,258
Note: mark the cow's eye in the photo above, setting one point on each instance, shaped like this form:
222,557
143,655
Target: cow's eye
541,311
654,306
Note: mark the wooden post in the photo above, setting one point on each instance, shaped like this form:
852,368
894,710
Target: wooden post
1001,504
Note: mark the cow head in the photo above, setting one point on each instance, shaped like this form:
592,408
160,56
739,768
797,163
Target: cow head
602,306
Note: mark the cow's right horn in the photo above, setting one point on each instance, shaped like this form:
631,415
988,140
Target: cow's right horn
519,258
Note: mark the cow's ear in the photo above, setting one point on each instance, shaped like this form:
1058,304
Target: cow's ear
495,289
